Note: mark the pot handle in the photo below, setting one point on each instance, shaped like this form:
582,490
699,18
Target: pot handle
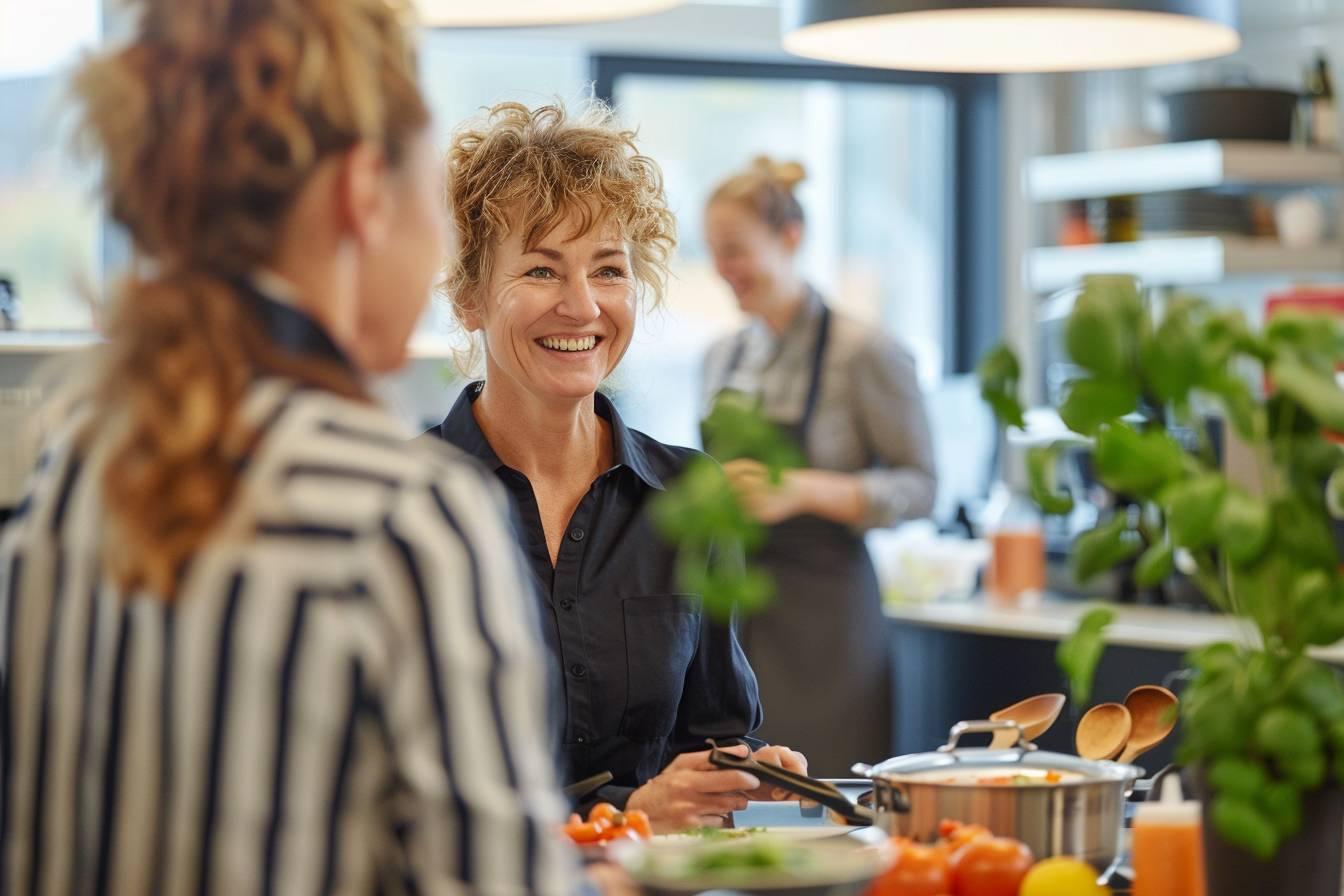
986,727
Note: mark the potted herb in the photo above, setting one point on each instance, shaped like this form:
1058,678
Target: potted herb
1263,722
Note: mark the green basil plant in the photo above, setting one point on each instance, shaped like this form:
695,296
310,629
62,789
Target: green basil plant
1263,719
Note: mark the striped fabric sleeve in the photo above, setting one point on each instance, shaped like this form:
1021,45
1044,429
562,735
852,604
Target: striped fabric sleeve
477,808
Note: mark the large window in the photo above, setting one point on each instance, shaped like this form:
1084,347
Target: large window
50,226
881,196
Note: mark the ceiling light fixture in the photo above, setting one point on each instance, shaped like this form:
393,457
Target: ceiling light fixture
1010,35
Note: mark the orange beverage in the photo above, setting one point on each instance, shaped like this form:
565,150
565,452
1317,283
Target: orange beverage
1169,845
1016,563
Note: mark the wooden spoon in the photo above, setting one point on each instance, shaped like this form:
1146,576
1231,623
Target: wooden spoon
1103,731
1152,710
1034,714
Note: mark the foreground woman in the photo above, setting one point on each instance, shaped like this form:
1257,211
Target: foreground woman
565,228
251,642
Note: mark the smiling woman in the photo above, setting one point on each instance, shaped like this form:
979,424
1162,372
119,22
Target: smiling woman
565,232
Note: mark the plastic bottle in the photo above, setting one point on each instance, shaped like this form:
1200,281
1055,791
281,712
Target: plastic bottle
1013,524
1169,845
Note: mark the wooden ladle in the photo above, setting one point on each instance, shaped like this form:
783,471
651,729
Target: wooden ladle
1103,731
1152,711
1035,715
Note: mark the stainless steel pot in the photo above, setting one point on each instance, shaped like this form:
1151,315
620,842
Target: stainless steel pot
1082,815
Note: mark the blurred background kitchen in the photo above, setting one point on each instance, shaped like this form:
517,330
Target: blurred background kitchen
946,209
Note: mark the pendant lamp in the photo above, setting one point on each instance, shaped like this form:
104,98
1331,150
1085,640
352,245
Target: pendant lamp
1010,35
526,13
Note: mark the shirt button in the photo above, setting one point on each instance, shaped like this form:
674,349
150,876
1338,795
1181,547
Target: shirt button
578,670
581,739
576,534
566,604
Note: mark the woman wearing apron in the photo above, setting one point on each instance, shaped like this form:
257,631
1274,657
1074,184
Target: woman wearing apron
848,396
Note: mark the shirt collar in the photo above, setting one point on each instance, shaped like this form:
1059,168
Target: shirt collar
628,450
270,299
804,321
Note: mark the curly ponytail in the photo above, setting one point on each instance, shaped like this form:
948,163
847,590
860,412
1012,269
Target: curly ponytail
208,124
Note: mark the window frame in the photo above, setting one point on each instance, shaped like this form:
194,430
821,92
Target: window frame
972,319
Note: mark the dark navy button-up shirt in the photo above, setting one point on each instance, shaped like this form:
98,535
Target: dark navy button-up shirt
645,674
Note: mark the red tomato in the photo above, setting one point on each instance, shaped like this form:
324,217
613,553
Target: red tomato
991,866
919,871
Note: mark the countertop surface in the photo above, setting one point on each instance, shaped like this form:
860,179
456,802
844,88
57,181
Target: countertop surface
1051,619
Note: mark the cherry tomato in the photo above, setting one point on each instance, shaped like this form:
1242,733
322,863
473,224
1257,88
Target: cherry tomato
603,812
638,821
956,835
992,866
585,832
918,871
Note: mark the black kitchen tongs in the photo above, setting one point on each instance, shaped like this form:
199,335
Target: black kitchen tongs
822,792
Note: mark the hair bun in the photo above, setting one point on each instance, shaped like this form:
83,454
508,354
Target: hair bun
786,174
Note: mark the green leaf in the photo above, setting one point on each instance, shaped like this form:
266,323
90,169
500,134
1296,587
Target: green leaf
1137,463
1314,390
1285,733
1318,608
1243,526
736,428
1191,506
1102,548
1101,333
1092,402
1041,466
1313,338
1282,805
1236,399
1306,771
1170,358
1007,409
1304,532
1238,776
1241,823
1155,565
1315,687
1078,655
999,374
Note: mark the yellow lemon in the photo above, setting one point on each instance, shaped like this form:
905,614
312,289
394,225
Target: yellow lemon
1062,876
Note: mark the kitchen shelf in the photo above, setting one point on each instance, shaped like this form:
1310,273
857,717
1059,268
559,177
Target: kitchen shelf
1179,166
424,346
1180,261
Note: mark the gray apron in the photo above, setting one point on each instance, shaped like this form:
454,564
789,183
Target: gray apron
820,650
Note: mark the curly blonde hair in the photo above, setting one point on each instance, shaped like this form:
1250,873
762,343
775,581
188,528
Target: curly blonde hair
767,187
208,123
530,169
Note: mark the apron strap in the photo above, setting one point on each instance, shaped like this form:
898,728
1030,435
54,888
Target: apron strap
818,362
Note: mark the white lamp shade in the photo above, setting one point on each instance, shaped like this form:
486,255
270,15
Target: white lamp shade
526,13
1011,35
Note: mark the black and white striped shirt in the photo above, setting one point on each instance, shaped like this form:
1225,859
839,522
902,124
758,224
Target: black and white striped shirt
346,695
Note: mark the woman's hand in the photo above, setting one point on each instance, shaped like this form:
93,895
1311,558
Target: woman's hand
691,793
838,497
768,502
789,760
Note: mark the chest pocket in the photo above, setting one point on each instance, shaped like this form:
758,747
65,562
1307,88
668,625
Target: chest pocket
662,632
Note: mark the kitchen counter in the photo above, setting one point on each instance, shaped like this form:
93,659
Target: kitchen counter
964,659
1153,628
